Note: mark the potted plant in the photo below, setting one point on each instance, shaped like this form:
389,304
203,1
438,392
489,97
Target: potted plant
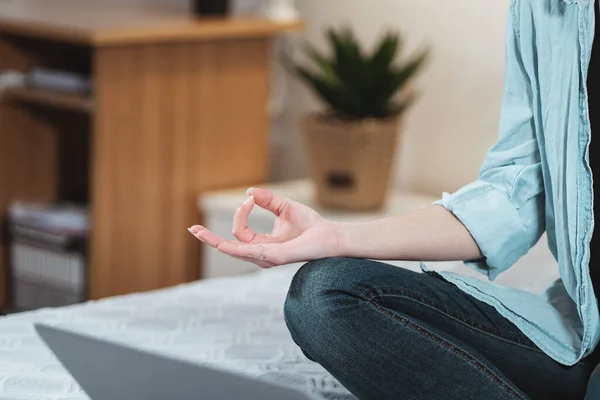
352,145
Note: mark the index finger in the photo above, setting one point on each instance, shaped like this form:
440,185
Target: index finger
241,230
269,201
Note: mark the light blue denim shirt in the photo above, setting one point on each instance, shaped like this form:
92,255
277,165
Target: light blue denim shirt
537,178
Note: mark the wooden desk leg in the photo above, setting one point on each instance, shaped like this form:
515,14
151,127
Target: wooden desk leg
171,122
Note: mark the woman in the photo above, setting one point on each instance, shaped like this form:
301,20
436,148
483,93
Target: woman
388,333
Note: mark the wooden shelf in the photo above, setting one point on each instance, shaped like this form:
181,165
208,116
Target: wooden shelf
71,102
158,124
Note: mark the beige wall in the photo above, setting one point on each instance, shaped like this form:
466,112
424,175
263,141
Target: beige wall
449,131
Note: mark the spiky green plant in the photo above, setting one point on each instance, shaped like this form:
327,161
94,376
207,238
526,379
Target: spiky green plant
357,84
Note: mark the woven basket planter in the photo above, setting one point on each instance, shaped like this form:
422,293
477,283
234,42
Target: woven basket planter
351,162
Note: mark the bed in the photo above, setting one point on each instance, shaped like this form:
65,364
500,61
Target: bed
234,322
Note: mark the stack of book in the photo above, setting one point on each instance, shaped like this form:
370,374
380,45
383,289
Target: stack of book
62,81
46,79
47,254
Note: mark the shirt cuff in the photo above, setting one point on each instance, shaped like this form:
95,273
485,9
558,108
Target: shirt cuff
495,224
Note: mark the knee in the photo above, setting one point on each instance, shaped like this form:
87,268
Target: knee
315,295
316,279
311,277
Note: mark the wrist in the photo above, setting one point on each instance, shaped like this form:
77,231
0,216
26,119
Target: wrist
342,239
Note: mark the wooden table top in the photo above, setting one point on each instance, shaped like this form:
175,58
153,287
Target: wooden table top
110,23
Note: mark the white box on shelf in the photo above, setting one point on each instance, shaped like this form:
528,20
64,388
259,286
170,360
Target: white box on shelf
218,208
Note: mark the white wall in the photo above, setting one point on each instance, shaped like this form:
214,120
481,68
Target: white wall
450,129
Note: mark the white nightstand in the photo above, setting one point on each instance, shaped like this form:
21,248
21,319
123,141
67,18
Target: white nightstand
218,209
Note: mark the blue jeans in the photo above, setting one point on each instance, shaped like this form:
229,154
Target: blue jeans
388,333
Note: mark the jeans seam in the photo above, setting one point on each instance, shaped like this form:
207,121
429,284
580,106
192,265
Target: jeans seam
458,317
447,344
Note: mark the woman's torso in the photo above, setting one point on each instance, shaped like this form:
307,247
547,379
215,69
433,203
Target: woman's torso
555,42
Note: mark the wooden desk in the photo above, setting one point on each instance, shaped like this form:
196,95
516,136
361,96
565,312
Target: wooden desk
179,107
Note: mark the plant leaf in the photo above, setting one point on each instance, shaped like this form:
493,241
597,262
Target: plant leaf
349,63
355,85
405,73
324,63
336,96
385,53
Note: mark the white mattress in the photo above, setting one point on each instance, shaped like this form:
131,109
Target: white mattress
235,323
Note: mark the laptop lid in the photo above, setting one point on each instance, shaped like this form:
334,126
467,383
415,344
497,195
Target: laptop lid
109,371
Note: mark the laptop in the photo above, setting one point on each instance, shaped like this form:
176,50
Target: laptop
110,371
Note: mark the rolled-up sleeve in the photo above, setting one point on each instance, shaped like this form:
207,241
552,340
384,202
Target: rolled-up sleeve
504,209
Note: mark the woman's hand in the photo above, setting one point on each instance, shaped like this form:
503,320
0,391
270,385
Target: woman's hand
299,233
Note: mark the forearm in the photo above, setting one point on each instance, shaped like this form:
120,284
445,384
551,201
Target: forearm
431,234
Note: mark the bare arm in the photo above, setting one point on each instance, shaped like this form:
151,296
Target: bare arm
301,234
431,234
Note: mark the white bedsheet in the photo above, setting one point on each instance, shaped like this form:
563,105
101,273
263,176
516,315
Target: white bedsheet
235,323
